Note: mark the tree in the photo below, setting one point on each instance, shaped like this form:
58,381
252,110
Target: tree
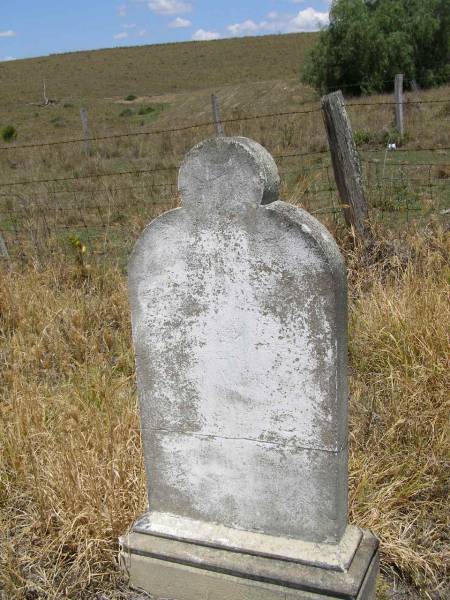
368,41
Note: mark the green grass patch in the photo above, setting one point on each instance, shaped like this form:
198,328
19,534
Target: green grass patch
151,112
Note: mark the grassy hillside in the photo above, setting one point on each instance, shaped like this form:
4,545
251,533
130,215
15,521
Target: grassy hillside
156,69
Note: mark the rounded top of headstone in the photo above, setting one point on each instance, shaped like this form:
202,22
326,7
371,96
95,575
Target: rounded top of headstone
228,172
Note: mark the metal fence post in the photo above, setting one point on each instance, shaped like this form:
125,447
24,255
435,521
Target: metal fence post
398,90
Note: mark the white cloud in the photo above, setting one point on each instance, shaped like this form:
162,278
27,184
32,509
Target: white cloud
8,33
179,22
5,58
121,36
130,25
248,26
122,10
308,19
169,7
201,35
142,32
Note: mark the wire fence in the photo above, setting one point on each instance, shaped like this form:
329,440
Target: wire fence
191,126
38,214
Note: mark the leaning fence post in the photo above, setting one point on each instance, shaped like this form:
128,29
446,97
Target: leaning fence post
398,90
346,163
85,125
216,114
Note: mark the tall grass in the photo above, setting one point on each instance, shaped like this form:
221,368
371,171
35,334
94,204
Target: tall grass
399,315
71,474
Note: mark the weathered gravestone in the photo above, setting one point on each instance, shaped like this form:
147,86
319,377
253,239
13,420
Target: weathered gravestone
239,317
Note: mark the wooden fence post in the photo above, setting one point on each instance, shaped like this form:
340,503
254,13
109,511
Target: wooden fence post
398,90
3,248
85,125
216,114
46,100
346,163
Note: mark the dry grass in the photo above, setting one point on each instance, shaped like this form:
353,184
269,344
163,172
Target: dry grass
71,476
399,411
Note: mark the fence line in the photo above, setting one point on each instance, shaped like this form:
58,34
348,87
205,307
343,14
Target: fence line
92,207
16,229
42,211
389,103
90,176
398,150
405,164
85,140
108,190
138,172
95,190
161,131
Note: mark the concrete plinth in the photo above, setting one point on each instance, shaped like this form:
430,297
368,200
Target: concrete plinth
177,570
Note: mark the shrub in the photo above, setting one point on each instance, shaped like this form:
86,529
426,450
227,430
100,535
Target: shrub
146,110
130,97
9,133
392,136
363,137
126,112
369,41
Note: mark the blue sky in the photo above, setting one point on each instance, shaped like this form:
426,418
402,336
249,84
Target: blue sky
40,27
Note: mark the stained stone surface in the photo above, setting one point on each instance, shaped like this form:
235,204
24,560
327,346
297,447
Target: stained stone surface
184,571
239,315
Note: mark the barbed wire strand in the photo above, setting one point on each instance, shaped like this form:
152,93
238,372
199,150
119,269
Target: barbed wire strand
161,131
207,124
136,172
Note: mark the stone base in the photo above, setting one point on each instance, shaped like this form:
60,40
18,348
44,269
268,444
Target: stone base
176,570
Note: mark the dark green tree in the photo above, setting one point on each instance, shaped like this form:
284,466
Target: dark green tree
368,41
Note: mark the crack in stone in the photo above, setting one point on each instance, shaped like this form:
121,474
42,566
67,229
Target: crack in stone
224,437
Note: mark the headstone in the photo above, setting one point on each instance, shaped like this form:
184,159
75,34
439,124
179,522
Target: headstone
239,319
